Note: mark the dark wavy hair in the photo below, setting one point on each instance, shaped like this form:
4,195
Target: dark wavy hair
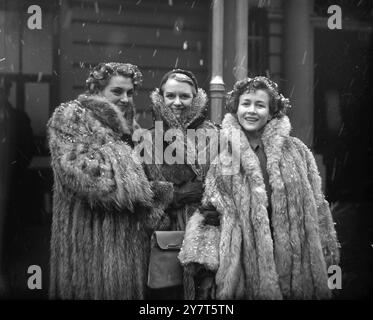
278,104
101,74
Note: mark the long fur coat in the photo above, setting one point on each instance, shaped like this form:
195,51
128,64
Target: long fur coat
179,175
249,262
101,224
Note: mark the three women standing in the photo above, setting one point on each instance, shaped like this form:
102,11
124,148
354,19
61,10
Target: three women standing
276,236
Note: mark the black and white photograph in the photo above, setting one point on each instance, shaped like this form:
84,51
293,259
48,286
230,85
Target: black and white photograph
209,151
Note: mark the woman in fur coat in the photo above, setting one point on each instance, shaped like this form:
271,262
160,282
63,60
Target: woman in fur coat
100,235
180,105
276,237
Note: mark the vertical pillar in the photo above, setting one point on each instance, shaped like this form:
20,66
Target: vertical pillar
242,27
217,87
298,66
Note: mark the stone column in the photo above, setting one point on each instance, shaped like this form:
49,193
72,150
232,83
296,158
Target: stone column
217,87
242,27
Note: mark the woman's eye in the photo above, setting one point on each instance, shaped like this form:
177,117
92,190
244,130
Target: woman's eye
129,93
185,96
170,96
116,92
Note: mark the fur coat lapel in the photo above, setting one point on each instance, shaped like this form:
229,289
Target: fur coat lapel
107,113
251,226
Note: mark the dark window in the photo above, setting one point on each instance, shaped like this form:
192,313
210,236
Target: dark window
258,39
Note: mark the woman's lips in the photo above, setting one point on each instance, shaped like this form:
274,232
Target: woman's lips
252,120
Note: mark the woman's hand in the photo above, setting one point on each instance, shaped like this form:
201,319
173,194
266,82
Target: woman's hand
191,192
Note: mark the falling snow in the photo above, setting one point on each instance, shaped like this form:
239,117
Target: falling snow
97,9
304,57
40,76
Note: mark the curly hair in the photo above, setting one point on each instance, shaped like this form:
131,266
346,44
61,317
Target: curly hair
101,74
278,104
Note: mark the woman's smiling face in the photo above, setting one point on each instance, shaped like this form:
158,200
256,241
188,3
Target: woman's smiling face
253,110
119,90
178,96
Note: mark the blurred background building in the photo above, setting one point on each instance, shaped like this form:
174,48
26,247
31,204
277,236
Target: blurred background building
326,73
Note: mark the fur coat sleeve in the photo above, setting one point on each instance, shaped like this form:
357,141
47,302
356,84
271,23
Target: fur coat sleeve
90,159
328,236
201,242
163,195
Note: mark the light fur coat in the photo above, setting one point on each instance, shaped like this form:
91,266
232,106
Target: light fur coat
249,264
101,227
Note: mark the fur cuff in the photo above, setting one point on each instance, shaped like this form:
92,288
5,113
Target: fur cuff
201,243
162,196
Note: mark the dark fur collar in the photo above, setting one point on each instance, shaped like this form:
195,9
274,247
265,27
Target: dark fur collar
196,115
106,112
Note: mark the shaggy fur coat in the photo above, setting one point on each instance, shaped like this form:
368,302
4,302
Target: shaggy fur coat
178,175
101,224
250,263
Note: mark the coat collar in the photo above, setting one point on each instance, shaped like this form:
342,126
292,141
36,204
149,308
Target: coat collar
106,112
273,137
196,115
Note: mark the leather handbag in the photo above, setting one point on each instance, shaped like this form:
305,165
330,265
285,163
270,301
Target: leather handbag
165,269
